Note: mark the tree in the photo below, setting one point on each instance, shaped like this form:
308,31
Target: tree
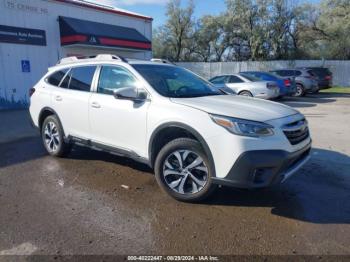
179,26
256,30
247,19
324,29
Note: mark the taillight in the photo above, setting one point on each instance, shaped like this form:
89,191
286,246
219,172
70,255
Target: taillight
286,82
328,78
31,91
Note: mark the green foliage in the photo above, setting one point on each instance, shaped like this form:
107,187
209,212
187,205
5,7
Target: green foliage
256,30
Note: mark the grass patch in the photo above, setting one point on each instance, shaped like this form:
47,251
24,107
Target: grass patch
337,89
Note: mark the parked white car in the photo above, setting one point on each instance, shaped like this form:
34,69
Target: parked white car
246,85
194,136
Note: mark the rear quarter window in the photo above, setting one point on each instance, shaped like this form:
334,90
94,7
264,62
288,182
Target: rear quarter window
321,71
56,78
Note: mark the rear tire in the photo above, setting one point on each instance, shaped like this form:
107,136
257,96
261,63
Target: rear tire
53,137
300,90
183,170
245,93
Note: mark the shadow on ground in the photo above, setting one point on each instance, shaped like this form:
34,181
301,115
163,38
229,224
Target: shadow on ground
310,100
20,151
84,153
319,193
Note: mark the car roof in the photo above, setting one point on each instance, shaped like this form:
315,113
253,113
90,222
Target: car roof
285,69
73,61
259,72
313,67
225,75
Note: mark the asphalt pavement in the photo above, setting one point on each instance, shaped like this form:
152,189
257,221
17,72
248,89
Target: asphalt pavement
95,203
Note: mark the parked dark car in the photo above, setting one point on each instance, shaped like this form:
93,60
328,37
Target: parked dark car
286,85
305,79
324,76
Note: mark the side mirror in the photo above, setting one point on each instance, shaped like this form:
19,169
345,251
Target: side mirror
131,93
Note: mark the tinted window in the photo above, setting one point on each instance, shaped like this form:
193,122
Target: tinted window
287,73
235,79
65,82
81,78
219,80
55,78
112,78
279,72
265,76
250,77
321,71
298,73
282,72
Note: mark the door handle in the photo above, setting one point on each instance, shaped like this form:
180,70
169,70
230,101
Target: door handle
95,105
58,98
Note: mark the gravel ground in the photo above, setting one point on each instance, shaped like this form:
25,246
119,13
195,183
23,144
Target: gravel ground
96,203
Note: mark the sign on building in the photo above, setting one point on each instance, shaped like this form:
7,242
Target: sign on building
19,35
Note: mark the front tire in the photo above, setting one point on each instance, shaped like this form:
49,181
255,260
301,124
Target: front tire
183,170
53,137
245,93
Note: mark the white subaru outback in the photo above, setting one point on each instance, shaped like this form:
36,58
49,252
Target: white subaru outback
194,136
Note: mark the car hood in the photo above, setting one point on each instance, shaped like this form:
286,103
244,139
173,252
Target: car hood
238,107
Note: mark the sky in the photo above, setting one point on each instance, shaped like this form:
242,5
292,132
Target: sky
157,8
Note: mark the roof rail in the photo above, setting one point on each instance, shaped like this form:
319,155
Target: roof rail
109,57
74,59
163,61
68,60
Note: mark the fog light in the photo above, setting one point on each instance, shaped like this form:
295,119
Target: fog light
259,176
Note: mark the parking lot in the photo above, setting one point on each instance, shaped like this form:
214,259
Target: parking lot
96,203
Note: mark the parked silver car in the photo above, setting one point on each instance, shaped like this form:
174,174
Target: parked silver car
305,80
247,85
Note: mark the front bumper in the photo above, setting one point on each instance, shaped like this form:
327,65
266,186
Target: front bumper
263,168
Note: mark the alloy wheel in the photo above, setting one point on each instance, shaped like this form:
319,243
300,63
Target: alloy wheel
51,136
185,172
299,91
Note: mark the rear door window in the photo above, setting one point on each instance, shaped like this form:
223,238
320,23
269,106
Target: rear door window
219,80
56,78
289,73
235,79
321,71
297,73
81,78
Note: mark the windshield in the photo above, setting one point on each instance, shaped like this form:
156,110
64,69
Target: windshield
172,81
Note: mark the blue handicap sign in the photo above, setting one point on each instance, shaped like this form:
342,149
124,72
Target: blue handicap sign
25,66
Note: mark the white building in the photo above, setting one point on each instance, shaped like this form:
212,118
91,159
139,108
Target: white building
35,34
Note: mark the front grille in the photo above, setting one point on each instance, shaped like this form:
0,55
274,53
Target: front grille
297,132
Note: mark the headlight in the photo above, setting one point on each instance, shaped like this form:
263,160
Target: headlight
243,127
